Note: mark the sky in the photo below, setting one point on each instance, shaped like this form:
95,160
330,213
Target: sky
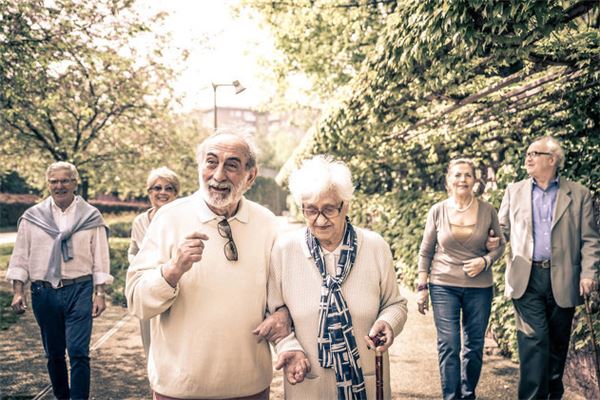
222,48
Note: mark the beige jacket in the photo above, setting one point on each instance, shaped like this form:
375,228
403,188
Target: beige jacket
574,238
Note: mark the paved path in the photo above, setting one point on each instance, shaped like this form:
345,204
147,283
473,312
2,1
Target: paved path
7,237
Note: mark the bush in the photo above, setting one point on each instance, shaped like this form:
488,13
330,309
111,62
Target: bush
5,252
120,224
118,269
12,206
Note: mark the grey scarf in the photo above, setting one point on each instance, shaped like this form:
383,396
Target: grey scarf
86,217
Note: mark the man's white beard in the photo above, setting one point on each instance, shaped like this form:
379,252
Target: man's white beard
218,200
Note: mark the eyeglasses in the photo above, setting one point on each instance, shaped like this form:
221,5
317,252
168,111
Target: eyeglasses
328,212
229,249
536,154
158,188
54,182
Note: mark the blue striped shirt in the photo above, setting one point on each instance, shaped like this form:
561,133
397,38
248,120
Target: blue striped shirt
543,202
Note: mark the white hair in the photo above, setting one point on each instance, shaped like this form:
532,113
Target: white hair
555,148
247,139
165,173
63,165
318,176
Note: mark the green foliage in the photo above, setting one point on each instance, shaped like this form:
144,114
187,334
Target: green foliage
265,191
120,224
73,87
118,269
324,39
5,252
12,182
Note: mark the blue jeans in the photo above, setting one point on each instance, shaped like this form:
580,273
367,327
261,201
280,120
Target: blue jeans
459,378
65,319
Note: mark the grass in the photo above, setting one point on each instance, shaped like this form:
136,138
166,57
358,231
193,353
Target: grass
5,252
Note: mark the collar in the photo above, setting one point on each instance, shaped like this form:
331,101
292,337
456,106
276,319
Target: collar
337,251
206,214
553,182
71,206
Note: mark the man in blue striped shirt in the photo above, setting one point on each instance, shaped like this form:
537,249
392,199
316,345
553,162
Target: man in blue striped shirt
554,261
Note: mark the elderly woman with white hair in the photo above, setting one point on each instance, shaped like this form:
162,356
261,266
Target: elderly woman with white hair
163,187
339,284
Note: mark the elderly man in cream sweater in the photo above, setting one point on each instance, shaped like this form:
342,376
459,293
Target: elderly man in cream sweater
202,272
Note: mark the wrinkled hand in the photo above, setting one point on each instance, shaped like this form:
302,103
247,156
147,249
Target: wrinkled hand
493,241
587,286
275,327
474,266
19,303
295,366
423,301
188,252
382,331
98,306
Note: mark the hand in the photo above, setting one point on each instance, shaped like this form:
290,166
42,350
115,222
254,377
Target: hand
474,266
492,242
295,366
423,300
587,286
188,252
98,306
383,331
275,327
19,303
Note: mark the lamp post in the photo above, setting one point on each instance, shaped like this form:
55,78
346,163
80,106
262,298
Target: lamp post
238,89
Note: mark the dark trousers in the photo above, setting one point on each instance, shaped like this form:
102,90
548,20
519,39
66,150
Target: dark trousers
543,333
65,319
460,365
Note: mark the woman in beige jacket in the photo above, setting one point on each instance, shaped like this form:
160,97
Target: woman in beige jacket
339,284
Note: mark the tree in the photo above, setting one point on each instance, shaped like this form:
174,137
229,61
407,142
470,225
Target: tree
327,40
73,89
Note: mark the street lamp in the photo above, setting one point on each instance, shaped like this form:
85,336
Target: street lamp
238,89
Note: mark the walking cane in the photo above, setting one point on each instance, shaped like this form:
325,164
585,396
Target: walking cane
588,314
378,368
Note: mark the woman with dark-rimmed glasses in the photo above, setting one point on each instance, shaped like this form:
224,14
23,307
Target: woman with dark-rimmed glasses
339,284
163,188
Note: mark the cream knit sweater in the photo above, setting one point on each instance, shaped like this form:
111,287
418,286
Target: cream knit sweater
202,342
370,290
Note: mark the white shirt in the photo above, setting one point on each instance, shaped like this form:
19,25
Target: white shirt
29,260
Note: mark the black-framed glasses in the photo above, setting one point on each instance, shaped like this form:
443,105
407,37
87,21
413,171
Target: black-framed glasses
536,154
159,188
230,248
64,182
328,212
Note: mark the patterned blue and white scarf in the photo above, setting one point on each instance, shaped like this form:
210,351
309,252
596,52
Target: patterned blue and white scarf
336,343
